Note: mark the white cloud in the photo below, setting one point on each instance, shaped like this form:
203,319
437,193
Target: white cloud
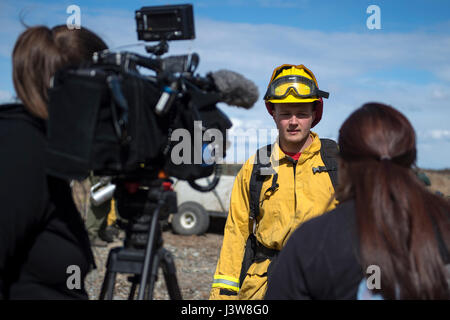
435,134
444,71
6,96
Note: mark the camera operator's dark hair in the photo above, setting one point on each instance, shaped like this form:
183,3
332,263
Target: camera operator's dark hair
399,221
39,52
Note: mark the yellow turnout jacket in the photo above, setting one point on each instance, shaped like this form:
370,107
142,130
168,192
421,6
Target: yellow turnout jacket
298,198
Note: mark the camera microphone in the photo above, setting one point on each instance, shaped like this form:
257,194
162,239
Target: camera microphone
234,88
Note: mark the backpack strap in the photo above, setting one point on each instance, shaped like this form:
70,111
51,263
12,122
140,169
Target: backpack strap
257,178
260,172
329,154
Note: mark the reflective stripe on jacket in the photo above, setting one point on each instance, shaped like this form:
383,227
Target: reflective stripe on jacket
297,199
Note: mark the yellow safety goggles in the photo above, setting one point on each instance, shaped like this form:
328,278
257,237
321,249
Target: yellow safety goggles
300,86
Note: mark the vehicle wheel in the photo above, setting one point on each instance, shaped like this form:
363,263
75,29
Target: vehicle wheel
190,219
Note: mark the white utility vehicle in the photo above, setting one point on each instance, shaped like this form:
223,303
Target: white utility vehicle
195,208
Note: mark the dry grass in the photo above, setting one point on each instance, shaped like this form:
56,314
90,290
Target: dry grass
440,180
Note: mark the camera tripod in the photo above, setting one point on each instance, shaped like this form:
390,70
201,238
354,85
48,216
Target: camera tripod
143,252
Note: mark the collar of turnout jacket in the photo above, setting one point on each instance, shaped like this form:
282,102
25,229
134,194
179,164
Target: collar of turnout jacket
312,150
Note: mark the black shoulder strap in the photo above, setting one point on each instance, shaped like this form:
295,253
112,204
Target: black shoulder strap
257,179
329,154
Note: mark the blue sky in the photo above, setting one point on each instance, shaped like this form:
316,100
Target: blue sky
405,64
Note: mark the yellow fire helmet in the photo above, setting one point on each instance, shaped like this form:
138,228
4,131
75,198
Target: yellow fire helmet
294,84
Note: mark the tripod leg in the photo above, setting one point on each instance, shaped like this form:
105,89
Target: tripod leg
153,276
149,252
108,286
134,281
170,275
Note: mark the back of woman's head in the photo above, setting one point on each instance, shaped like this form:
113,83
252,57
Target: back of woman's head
399,221
39,52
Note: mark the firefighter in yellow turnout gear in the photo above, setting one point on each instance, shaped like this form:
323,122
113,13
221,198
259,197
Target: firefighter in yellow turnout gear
300,188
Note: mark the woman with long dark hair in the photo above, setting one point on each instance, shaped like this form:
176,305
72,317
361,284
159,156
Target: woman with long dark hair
387,219
44,248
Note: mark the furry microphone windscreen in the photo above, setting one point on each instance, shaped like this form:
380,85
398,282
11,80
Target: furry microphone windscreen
235,89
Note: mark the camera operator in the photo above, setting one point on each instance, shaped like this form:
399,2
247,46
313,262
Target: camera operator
41,232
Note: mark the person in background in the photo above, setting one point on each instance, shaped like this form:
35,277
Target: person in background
388,224
43,240
101,220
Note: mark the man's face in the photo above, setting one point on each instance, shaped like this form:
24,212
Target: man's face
293,121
